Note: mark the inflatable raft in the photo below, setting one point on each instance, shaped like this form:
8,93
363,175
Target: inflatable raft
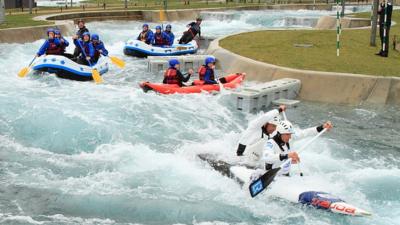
140,49
295,190
64,67
228,82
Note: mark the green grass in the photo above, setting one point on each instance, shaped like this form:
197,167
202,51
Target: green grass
356,56
21,20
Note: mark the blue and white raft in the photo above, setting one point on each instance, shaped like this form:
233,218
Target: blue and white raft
140,49
65,68
294,190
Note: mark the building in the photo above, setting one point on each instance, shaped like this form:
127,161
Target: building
11,4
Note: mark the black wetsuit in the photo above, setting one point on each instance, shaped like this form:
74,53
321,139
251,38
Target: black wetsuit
191,33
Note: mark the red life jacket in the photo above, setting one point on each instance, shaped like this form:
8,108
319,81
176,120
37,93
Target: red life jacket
158,39
53,49
171,76
96,52
202,72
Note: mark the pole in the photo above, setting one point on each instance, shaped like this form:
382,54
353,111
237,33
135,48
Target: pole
384,28
126,4
30,6
337,29
71,4
2,11
374,22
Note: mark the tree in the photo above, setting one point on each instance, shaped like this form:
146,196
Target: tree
2,13
126,4
374,22
30,6
343,7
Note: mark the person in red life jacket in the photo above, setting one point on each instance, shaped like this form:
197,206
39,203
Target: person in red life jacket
169,34
194,29
63,43
79,35
146,35
98,47
174,76
206,72
51,46
159,38
87,46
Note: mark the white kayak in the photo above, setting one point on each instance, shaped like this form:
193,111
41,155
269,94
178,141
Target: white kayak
293,191
140,49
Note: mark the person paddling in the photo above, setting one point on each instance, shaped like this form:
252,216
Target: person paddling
146,35
79,35
194,29
206,71
98,47
174,76
262,127
87,46
159,38
169,34
277,149
51,46
63,44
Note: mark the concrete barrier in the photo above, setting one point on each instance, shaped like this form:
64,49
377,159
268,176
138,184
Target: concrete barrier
329,22
30,34
317,86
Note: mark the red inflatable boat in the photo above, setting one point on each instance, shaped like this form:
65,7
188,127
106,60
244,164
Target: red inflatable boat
228,82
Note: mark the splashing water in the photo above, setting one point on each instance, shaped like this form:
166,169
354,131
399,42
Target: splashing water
78,153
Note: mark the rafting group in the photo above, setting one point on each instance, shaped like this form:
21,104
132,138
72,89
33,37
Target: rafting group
90,58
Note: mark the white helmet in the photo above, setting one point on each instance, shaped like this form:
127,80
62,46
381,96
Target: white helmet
285,127
275,121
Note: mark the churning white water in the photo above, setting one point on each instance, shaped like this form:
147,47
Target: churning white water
78,153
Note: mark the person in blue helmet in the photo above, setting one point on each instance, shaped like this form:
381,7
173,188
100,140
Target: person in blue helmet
63,43
88,54
174,76
159,37
79,35
51,46
206,71
146,35
170,35
98,47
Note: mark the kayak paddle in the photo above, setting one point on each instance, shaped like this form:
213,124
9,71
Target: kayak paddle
257,186
95,74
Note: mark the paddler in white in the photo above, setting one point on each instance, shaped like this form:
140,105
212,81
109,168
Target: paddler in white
262,127
277,149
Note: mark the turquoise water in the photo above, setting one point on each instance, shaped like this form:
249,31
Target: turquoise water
79,153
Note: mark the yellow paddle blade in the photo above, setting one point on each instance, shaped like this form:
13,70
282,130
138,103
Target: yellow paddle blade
23,72
96,76
119,62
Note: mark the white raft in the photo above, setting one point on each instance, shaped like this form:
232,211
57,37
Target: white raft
66,68
140,49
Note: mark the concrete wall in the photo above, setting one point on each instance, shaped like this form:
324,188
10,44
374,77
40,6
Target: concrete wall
30,34
329,22
316,86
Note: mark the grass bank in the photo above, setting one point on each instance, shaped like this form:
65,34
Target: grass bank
356,56
21,20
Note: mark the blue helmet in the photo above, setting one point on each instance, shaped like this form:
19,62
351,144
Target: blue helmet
50,30
145,25
57,31
86,33
173,62
210,60
158,27
95,37
168,26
